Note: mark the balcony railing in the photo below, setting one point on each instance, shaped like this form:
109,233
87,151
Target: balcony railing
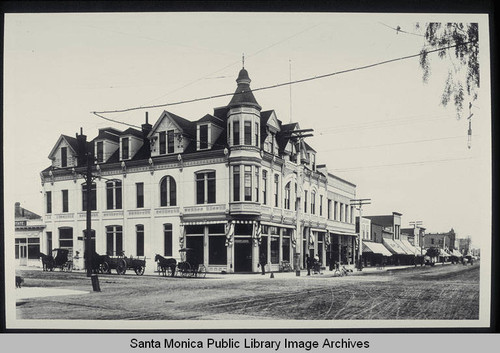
139,213
64,216
167,211
244,208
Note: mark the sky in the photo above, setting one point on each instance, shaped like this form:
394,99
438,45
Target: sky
381,128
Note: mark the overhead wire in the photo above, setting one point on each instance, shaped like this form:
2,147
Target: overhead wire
281,84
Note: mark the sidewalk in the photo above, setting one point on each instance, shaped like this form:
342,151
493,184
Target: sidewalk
38,292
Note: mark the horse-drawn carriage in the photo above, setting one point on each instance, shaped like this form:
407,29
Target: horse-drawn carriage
119,263
185,268
58,259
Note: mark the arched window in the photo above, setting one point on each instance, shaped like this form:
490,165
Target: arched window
287,196
168,191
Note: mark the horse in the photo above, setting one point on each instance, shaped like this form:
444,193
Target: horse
48,262
99,263
164,263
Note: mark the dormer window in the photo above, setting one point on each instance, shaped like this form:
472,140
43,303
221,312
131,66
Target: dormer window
170,141
100,152
163,142
203,137
125,148
64,157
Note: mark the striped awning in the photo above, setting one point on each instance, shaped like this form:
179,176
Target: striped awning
393,247
273,224
376,248
197,223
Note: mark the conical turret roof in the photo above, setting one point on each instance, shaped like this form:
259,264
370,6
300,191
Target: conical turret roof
243,95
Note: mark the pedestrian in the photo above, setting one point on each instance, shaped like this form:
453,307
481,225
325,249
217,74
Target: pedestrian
262,262
309,264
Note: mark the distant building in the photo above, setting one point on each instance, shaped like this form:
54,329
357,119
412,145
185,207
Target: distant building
28,232
414,235
464,245
441,240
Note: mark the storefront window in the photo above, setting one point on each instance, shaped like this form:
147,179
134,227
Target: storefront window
275,250
217,250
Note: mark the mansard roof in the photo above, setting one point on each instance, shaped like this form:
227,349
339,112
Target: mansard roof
109,133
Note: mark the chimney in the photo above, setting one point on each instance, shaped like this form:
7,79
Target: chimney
82,148
18,210
146,129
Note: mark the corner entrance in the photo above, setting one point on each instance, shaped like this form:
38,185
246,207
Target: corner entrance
242,255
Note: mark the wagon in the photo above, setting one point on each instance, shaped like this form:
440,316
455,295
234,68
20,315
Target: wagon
122,263
190,268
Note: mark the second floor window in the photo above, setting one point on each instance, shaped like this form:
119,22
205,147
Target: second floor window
168,191
313,203
65,201
140,194
257,180
248,183
64,157
170,141
264,187
125,154
48,199
276,189
329,210
203,137
114,195
305,201
256,133
205,187
236,183
321,205
287,196
93,197
236,133
248,133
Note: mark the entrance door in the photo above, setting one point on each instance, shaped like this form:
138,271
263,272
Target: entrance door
23,254
242,255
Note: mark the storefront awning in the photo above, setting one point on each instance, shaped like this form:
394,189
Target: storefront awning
376,248
197,223
272,224
410,249
456,253
343,233
443,253
393,247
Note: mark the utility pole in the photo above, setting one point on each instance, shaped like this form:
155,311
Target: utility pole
298,135
88,240
416,225
359,203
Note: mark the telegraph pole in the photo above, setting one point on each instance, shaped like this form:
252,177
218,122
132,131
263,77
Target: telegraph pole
416,224
359,203
88,240
299,136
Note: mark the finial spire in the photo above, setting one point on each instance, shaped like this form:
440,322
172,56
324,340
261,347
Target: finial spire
243,60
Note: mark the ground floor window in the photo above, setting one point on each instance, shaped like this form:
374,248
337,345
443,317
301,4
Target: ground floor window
217,250
49,242
20,248
275,250
114,240
33,248
320,247
139,239
66,238
285,245
167,239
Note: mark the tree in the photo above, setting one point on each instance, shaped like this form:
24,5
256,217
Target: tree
463,73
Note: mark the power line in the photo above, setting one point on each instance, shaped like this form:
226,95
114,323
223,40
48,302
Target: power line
391,144
284,83
401,164
115,121
398,29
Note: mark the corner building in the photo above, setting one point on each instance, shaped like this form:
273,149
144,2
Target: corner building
230,186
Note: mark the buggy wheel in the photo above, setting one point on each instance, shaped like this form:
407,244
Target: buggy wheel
139,270
105,267
186,270
202,271
121,267
69,267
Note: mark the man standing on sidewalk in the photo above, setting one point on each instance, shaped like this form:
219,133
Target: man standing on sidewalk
262,262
